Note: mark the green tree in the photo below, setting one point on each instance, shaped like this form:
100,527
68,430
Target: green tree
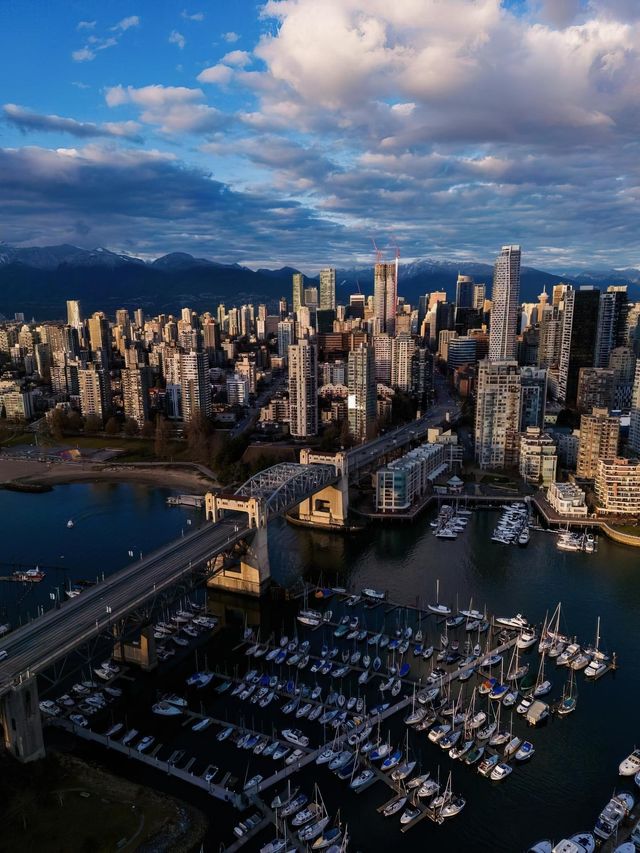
161,443
148,429
198,431
74,421
131,427
92,424
57,423
112,426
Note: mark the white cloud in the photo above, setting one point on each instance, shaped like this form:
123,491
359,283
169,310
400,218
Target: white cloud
86,25
195,16
238,58
231,37
84,54
127,23
221,74
174,109
177,38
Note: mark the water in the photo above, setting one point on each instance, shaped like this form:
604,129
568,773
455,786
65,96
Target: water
110,519
574,770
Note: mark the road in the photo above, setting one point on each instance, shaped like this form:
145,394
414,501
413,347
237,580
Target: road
36,646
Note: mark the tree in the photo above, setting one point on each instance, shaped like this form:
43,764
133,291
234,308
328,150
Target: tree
92,423
57,423
161,443
198,430
112,426
74,421
131,427
148,429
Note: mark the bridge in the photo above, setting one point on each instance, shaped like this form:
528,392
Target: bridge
318,486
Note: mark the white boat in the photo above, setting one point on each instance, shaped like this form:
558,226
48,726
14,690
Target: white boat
70,523
610,818
394,807
296,737
166,709
631,764
361,779
526,638
437,608
145,743
500,772
518,621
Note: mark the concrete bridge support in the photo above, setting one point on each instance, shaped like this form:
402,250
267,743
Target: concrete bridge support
330,506
251,574
21,722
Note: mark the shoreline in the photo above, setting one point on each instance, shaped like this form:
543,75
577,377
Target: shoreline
189,476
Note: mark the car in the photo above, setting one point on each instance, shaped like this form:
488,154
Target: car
3,654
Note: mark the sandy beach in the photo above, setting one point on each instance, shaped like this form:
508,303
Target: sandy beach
190,477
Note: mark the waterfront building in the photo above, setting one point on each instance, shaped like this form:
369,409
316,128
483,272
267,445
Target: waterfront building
538,458
567,499
361,402
327,289
135,394
18,403
579,330
504,307
403,481
195,389
385,296
568,444
618,486
599,437
95,391
596,389
497,421
303,389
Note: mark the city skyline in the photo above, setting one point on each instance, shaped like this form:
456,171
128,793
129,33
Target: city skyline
220,132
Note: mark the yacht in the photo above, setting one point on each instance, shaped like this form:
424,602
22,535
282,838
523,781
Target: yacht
631,764
525,751
166,709
610,818
500,772
518,621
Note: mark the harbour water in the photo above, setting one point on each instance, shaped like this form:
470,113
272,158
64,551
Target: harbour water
574,771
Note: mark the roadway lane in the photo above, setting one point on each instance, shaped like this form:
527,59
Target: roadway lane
39,644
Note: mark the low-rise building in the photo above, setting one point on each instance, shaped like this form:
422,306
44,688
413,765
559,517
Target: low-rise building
403,481
567,499
618,486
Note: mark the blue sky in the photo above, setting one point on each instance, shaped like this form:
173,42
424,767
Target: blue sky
295,131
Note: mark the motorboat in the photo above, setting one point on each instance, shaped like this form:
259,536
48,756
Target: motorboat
79,720
453,807
486,766
296,737
631,764
610,818
526,638
512,747
361,779
145,743
166,709
409,814
306,815
571,652
474,755
500,772
428,788
525,751
518,621
581,842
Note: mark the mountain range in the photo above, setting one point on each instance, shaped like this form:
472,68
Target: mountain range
38,281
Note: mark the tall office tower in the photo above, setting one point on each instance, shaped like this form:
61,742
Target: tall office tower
465,288
135,394
382,349
138,316
233,320
95,391
550,337
185,315
461,350
246,320
210,335
303,389
286,336
623,363
99,333
262,311
634,422
402,349
310,297
306,321
632,337
612,322
385,296
74,315
497,421
479,296
596,389
599,436
559,295
504,308
362,399
123,319
444,338
533,397
423,307
283,308
579,330
327,288
298,291
221,315
422,377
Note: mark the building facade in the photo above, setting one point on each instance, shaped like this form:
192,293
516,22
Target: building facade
497,420
504,307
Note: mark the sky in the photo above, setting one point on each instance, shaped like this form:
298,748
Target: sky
301,131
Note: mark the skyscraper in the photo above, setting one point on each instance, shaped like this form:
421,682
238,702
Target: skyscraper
612,323
579,330
95,391
135,394
286,336
361,402
303,389
74,316
195,390
599,436
298,290
465,287
634,423
385,296
504,308
402,349
327,288
382,350
497,421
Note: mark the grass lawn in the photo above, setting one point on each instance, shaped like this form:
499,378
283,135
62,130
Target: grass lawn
631,529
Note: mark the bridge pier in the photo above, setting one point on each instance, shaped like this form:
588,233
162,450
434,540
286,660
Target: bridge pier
328,507
21,722
252,574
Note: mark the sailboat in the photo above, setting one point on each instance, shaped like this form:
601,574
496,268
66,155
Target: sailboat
599,660
543,686
516,671
569,696
437,608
